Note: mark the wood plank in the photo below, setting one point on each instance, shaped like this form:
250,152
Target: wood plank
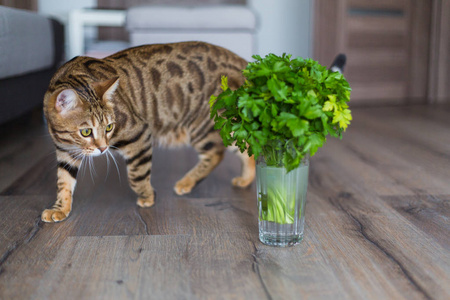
403,159
379,93
383,25
363,270
370,167
374,57
19,222
412,146
327,16
179,266
161,267
409,258
380,4
111,207
21,4
376,225
36,180
17,154
361,41
423,130
300,272
430,213
381,74
439,53
431,113
420,49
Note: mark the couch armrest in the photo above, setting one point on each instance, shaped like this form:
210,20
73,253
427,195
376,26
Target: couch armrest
26,42
58,42
23,89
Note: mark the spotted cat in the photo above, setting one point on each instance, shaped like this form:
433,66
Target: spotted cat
133,99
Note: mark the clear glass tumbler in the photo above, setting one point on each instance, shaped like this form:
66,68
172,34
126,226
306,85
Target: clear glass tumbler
281,203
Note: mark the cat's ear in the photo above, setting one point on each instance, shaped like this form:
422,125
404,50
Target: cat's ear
66,101
105,89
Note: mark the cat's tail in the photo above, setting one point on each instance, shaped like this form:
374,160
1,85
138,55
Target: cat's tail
339,63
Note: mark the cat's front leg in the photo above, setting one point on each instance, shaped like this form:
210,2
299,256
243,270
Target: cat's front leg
139,167
67,174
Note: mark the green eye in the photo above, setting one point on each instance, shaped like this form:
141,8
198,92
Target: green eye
109,127
86,132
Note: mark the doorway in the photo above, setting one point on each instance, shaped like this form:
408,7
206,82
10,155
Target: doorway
387,45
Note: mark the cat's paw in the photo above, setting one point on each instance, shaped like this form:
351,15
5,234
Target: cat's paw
146,202
53,215
241,182
184,186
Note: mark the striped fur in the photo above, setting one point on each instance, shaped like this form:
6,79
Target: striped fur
151,94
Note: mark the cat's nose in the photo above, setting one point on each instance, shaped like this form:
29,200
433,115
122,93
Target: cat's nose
102,149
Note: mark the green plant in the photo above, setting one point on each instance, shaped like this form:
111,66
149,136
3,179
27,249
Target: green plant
298,102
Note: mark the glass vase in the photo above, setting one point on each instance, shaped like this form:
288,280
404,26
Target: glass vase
281,202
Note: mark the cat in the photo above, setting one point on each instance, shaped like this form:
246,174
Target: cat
133,99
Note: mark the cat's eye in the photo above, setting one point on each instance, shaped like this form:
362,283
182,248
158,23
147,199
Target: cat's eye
109,127
86,132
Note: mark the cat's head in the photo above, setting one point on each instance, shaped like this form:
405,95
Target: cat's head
81,120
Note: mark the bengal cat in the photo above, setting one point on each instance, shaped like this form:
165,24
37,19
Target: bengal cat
133,99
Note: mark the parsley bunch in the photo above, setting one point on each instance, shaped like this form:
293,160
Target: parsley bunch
285,109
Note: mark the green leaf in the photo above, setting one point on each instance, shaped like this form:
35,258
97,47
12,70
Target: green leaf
297,126
244,101
229,98
257,106
224,83
265,117
328,106
279,89
212,100
240,134
296,102
312,97
274,110
283,118
219,122
313,112
343,118
316,141
327,127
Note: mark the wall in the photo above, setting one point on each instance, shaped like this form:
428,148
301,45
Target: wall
284,26
60,9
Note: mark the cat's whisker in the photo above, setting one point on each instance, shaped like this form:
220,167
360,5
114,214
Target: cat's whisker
84,166
80,167
72,150
71,161
91,163
117,167
93,166
107,166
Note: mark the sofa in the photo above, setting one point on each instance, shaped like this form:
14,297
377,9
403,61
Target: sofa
31,49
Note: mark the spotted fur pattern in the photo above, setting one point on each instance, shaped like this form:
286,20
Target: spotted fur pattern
149,94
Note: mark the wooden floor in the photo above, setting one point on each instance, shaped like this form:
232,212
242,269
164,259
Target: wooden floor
377,223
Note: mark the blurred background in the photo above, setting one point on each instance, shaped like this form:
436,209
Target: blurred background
398,51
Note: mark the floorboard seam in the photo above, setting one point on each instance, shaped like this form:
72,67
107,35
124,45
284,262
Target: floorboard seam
142,220
255,267
364,234
26,239
6,255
